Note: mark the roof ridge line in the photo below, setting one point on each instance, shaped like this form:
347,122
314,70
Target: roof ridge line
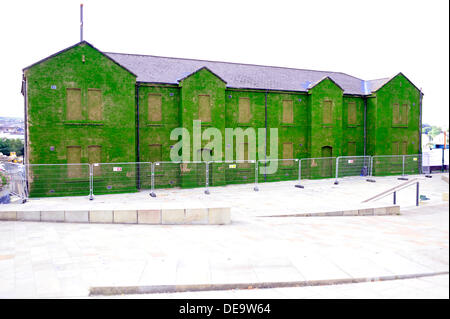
238,63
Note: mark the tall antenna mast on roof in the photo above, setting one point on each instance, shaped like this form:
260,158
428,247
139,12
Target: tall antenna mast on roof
81,22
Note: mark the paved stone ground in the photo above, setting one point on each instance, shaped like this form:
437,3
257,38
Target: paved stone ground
273,198
436,287
52,260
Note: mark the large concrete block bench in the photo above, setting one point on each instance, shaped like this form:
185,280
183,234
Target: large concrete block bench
163,216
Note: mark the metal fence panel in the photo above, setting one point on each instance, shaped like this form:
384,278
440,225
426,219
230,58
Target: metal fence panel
276,170
57,179
13,179
111,178
352,166
317,168
385,165
232,172
412,164
179,174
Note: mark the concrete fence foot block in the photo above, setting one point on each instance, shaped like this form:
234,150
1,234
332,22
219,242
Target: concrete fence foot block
8,215
125,216
149,216
196,216
29,216
52,216
219,216
101,216
172,216
76,216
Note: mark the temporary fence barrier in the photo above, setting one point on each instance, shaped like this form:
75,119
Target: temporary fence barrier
13,180
111,178
276,170
232,172
178,174
385,165
352,166
58,179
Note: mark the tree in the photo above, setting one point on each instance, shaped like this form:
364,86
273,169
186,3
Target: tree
11,145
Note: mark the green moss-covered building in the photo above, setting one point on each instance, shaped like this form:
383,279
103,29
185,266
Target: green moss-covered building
83,105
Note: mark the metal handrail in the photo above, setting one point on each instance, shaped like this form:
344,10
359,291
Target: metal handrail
394,191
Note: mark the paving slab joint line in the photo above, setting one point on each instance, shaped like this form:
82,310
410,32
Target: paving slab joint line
134,290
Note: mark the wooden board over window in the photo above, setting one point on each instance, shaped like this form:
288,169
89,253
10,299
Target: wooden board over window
404,115
288,111
95,107
288,153
404,148
95,156
396,114
73,110
395,148
155,153
352,113
244,110
351,149
73,157
204,108
327,112
154,107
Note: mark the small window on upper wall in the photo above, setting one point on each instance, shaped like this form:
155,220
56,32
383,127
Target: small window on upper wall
244,110
327,112
95,105
154,108
204,108
288,112
404,115
352,116
73,100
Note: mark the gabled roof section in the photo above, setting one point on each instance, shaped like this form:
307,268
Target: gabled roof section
323,79
375,85
198,70
73,46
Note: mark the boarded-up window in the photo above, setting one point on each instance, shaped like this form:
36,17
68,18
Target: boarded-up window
288,111
404,148
73,110
204,108
396,114
244,110
154,108
155,152
243,152
95,156
351,150
73,157
95,104
404,115
288,153
395,148
352,113
327,112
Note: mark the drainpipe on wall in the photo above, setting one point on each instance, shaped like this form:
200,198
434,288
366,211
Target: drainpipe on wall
420,121
25,118
265,139
365,125
138,175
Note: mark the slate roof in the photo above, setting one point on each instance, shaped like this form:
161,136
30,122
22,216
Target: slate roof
157,69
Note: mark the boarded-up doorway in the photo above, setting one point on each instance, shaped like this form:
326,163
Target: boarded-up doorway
327,163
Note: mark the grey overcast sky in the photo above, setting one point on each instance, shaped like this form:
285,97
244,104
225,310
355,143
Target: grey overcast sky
366,39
